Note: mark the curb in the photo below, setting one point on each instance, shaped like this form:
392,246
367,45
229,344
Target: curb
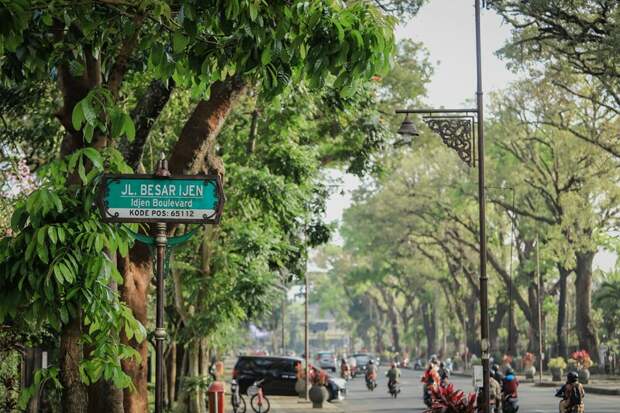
613,391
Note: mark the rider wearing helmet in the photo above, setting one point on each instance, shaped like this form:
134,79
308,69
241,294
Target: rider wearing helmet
510,383
443,373
572,395
371,370
393,374
496,374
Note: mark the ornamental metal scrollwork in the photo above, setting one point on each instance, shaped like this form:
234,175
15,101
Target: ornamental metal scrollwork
455,133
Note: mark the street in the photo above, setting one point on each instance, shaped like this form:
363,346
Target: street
531,399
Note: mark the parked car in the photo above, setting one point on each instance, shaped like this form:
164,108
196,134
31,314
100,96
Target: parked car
326,360
279,374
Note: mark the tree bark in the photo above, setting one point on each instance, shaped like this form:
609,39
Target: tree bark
197,142
171,371
583,304
104,397
144,115
74,396
496,323
560,328
137,269
429,320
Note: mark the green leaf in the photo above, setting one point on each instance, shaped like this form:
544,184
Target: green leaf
51,231
42,253
179,42
117,118
95,157
64,316
61,234
88,132
89,112
77,116
265,56
129,128
82,171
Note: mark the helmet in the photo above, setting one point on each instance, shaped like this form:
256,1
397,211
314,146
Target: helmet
441,365
495,367
572,377
371,362
509,370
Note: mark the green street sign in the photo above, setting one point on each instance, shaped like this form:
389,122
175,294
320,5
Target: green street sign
148,198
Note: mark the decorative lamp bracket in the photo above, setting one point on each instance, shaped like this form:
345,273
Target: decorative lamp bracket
456,132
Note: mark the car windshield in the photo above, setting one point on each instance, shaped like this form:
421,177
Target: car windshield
362,358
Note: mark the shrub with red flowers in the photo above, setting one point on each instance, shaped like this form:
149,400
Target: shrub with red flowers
507,360
582,358
529,359
448,400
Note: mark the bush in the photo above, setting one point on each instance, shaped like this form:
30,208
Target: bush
557,363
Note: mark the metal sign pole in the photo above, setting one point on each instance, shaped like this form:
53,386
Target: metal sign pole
161,239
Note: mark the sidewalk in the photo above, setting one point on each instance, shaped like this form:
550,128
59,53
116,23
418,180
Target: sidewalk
284,404
603,386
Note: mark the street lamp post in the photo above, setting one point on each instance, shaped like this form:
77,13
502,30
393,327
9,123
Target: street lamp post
458,129
306,338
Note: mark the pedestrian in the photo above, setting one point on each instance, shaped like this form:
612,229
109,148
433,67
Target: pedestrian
572,395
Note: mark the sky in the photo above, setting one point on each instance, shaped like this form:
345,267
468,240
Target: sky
447,29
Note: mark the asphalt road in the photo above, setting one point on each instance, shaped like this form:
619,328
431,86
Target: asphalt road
531,399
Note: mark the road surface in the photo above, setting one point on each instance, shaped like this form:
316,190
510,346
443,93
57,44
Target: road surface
531,399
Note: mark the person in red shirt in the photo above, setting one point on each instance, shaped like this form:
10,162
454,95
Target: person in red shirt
510,383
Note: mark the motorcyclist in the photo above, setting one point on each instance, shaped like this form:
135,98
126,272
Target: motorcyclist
572,395
430,380
393,375
509,391
444,374
371,374
510,383
345,371
496,373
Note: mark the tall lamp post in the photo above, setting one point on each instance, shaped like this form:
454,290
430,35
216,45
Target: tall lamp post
458,128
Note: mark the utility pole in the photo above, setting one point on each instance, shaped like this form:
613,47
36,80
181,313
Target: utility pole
283,312
540,346
306,339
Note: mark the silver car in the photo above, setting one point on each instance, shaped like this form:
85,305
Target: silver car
326,360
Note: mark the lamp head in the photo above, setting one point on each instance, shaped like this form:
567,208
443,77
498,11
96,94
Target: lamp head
407,128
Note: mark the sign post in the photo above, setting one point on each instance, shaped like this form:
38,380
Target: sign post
160,199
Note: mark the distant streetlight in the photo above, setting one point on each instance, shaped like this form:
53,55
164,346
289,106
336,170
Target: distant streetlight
456,129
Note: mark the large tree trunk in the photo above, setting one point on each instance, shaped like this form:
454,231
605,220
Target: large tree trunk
496,323
137,269
74,396
197,142
472,325
429,319
560,328
104,397
583,304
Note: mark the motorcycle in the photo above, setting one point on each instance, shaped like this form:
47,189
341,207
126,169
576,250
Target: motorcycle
393,388
510,404
345,373
427,396
371,381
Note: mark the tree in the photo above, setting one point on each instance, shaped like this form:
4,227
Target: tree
569,37
116,63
